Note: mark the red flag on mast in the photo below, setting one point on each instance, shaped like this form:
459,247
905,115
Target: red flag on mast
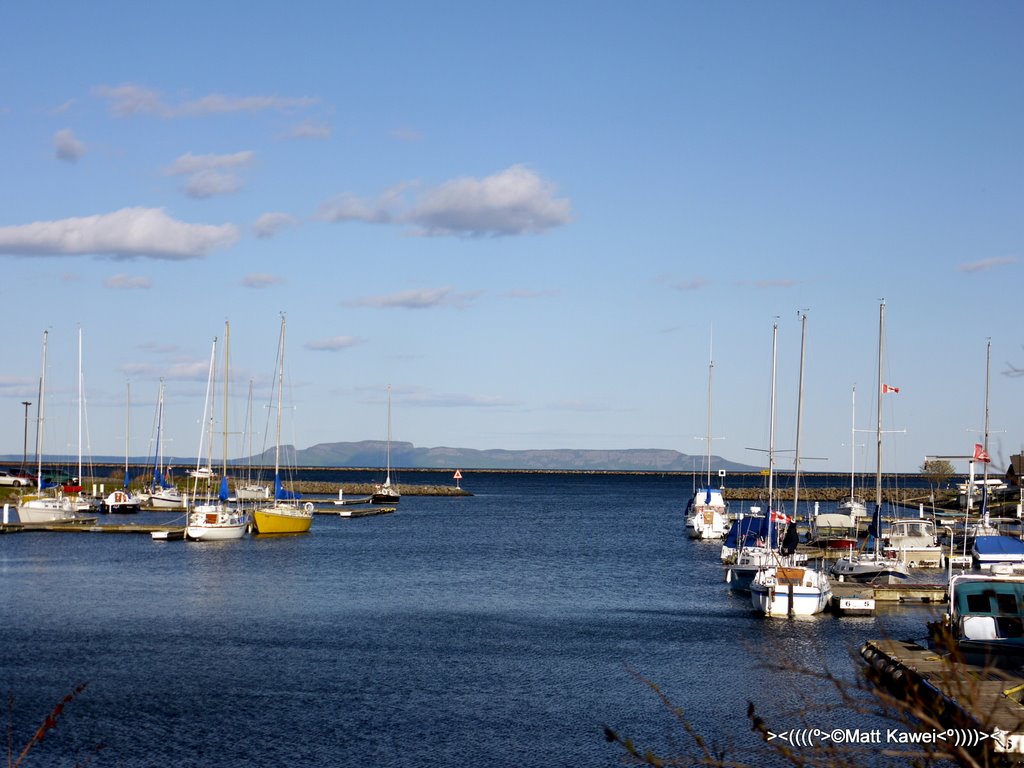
886,389
980,454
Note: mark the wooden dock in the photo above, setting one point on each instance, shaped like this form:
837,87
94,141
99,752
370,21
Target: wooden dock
892,593
88,525
980,705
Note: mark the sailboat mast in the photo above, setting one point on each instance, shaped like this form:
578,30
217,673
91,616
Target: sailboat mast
127,425
41,417
771,420
227,345
206,406
280,387
387,476
79,405
853,440
799,413
711,368
878,420
984,492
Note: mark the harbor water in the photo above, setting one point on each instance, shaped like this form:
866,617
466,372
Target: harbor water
507,628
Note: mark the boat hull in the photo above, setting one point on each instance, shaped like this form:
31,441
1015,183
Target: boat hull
166,500
216,532
385,498
790,592
708,523
869,569
282,520
216,523
46,511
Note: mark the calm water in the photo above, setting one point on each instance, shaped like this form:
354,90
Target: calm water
506,629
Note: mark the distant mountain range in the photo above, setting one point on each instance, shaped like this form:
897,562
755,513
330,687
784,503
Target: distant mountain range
372,453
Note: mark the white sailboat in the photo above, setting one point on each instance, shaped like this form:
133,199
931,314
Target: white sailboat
44,507
215,520
386,493
707,514
752,541
250,490
162,493
281,515
83,502
786,588
123,500
874,566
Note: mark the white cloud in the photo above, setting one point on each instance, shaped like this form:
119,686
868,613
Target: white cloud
211,183
986,264
515,201
188,163
347,207
127,282
269,224
210,175
334,344
126,234
261,280
129,99
68,148
421,298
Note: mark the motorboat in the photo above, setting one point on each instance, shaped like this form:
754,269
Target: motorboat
984,623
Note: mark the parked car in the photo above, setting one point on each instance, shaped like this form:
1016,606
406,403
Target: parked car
58,477
10,478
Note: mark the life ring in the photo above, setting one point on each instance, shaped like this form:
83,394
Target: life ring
308,506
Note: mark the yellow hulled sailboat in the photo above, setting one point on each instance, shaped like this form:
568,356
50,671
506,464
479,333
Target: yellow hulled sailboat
283,514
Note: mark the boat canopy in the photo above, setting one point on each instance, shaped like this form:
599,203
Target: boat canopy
996,597
751,531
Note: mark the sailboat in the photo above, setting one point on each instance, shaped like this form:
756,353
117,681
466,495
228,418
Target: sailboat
163,494
282,515
83,502
707,514
874,566
386,493
752,541
42,507
786,587
123,500
215,520
250,490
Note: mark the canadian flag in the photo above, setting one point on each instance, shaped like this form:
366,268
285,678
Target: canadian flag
980,454
886,389
781,517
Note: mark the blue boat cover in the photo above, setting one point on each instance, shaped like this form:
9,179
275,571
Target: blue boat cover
281,493
1006,546
747,531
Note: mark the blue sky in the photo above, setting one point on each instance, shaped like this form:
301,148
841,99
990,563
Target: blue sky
529,219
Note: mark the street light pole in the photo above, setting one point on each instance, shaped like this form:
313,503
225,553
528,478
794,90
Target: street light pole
24,448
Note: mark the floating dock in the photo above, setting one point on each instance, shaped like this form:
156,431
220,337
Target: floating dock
980,705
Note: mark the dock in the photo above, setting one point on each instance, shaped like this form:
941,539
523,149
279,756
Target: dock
980,706
87,525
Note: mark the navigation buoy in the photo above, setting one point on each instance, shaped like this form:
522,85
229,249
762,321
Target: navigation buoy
458,476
